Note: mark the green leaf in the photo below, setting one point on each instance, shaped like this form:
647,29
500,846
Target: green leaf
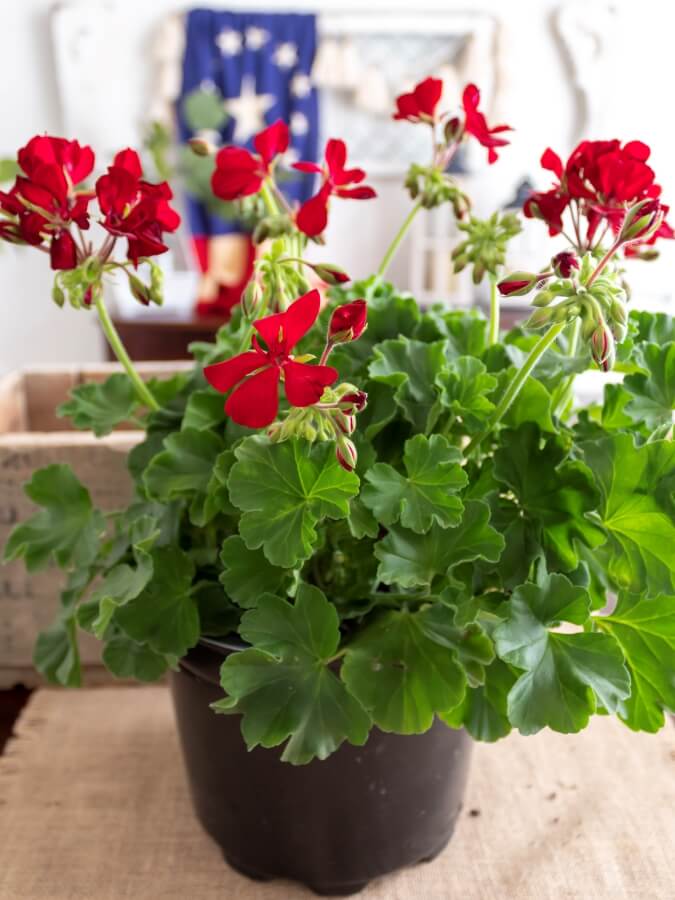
565,675
636,510
9,169
185,466
247,574
127,659
653,328
533,404
614,408
483,712
644,628
554,493
653,394
410,559
204,110
284,688
164,615
465,390
56,654
284,490
65,531
218,615
411,367
100,407
362,523
402,672
426,495
205,409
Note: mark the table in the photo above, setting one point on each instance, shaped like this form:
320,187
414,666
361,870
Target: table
94,806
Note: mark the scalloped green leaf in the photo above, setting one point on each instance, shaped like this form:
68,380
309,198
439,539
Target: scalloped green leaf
412,367
426,494
100,407
247,574
283,491
565,676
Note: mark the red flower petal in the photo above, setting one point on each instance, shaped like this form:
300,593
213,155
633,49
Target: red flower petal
357,193
224,375
336,156
282,331
129,161
427,94
237,174
256,401
310,167
272,141
304,384
552,162
312,217
63,252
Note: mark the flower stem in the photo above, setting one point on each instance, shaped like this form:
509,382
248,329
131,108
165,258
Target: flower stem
268,200
117,347
517,382
493,332
563,392
400,234
603,262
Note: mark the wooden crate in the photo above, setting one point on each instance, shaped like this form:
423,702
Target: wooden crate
32,436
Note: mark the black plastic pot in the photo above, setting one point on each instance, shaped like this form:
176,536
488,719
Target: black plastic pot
332,825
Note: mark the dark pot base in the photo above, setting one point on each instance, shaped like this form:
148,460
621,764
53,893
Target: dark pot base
334,825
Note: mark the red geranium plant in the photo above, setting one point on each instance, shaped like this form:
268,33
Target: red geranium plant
394,509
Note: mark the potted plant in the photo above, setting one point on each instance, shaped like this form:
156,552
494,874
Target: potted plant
387,538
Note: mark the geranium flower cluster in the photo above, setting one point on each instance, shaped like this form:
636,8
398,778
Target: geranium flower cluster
596,185
421,106
49,204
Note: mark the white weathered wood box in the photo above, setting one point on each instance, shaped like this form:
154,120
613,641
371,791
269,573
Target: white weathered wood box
32,436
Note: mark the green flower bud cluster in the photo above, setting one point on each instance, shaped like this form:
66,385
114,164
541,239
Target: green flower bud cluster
79,286
431,187
600,304
275,277
485,244
271,227
333,419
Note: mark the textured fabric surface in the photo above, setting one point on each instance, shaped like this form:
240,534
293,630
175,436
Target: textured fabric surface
94,806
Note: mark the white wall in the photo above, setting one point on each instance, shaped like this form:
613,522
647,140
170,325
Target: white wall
639,104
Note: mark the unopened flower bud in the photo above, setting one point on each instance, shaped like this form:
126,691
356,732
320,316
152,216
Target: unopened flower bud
345,421
452,130
345,452
603,347
139,289
641,221
58,295
348,322
543,298
250,299
565,263
202,147
353,402
539,318
331,274
517,284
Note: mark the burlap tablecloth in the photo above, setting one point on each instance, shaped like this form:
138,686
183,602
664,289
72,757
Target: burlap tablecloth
94,806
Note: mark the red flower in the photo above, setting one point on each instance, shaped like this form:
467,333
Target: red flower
312,217
255,375
420,104
44,200
348,322
239,172
135,209
601,178
476,125
565,263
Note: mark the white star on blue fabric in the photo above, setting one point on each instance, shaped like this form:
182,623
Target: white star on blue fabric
301,85
286,55
299,124
248,110
256,37
230,42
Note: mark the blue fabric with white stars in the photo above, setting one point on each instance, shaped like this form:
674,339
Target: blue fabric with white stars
272,53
